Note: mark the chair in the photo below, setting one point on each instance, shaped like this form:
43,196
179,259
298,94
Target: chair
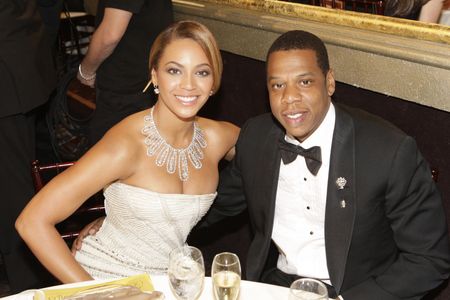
89,211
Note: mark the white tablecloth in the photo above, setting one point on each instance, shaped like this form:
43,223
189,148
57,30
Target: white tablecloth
249,290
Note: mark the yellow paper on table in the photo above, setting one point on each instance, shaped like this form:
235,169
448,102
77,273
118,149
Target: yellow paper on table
141,281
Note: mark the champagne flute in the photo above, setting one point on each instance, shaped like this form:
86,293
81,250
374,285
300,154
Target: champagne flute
226,276
186,272
308,289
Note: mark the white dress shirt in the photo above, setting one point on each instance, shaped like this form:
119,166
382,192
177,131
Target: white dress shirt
298,229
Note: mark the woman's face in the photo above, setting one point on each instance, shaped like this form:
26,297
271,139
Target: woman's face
184,77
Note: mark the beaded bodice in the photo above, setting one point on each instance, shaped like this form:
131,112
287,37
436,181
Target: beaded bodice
140,230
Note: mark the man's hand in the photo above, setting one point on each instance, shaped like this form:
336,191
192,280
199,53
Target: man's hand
90,229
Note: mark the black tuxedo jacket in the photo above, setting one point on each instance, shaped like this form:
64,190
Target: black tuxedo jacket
388,242
27,74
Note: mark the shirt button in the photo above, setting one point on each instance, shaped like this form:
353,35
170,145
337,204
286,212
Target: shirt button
311,233
307,207
304,178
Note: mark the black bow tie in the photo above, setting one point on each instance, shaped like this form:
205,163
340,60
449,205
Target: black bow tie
313,157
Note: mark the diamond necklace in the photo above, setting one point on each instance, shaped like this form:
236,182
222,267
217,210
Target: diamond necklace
171,157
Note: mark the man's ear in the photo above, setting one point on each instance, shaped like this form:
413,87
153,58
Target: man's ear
331,83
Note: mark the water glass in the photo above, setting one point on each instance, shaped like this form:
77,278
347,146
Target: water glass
186,272
308,289
226,276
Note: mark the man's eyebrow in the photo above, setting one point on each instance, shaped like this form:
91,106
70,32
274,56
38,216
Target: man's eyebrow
296,76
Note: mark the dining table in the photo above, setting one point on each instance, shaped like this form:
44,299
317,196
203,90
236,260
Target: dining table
249,290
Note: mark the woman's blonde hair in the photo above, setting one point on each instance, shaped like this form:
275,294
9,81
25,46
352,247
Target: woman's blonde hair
189,30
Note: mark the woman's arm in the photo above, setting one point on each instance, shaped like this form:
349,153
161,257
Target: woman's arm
431,11
108,161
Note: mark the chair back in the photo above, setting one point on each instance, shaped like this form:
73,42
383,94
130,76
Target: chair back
90,210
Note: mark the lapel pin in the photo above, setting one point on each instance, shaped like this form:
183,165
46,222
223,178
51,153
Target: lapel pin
341,182
343,204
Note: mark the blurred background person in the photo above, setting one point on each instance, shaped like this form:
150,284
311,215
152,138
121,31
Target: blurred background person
421,10
117,59
27,77
50,11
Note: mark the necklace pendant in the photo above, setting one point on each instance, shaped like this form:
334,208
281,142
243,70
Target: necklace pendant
172,161
194,159
183,167
169,156
161,158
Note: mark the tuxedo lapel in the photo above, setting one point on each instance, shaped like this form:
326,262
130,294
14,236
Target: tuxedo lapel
270,160
340,207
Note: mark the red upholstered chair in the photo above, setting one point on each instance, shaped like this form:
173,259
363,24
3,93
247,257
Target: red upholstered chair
89,211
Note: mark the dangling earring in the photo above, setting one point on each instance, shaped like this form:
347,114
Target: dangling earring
155,89
211,93
146,87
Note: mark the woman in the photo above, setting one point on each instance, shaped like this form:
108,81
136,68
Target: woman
159,167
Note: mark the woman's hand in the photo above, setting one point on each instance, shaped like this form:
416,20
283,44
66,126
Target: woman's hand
90,229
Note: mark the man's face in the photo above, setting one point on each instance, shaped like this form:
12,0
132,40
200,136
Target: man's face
300,94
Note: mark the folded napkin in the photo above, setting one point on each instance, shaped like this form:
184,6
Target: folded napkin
116,292
141,281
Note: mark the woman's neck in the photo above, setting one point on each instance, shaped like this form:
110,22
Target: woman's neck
175,131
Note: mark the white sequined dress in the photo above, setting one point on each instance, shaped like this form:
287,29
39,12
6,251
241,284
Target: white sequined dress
140,230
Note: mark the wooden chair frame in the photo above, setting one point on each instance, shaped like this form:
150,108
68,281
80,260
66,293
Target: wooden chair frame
92,208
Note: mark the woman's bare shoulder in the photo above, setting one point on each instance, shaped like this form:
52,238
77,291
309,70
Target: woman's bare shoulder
129,129
221,136
123,141
221,129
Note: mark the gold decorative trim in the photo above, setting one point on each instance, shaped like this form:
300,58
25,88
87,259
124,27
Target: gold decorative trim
395,26
397,64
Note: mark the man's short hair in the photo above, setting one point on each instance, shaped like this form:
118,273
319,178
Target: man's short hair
302,40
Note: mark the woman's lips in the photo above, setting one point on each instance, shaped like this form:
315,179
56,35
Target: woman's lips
187,99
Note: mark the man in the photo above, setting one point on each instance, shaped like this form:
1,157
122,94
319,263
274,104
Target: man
27,77
117,58
359,211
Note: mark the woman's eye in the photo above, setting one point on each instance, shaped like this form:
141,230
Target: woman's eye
203,73
173,71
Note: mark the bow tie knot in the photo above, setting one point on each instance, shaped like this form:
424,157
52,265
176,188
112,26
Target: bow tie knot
313,157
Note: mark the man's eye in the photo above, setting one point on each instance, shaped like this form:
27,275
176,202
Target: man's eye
277,86
305,82
203,73
173,71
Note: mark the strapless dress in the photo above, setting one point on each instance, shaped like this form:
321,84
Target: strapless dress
140,229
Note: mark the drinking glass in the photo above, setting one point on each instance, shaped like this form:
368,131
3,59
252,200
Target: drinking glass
226,276
308,289
186,272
